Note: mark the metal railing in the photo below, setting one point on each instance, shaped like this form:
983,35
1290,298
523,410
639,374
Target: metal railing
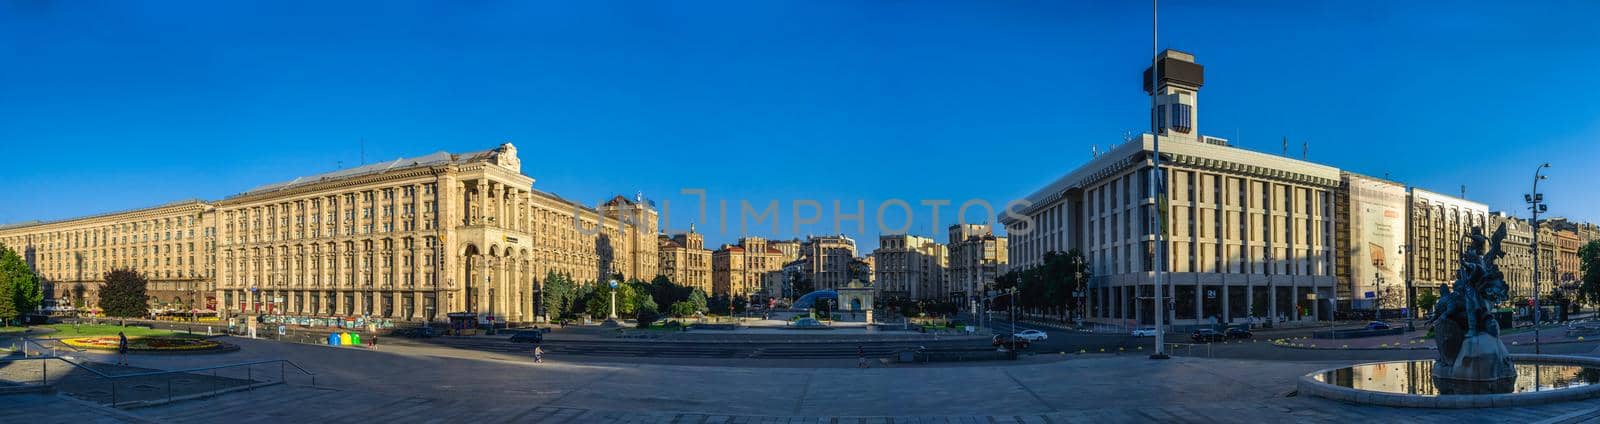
222,379
30,347
1188,349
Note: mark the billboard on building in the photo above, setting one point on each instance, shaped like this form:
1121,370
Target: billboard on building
1377,230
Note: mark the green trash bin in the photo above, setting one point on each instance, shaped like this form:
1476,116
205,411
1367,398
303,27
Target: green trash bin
355,339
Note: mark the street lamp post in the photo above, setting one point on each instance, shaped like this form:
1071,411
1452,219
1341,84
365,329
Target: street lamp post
1411,303
1536,204
613,316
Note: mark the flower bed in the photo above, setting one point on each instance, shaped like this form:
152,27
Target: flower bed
144,343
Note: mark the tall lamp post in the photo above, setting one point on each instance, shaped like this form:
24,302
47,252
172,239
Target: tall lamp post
1158,181
614,285
1411,303
1536,204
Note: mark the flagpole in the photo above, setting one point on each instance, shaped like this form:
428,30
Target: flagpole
1156,179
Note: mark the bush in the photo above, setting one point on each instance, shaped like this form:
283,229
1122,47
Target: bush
683,308
646,316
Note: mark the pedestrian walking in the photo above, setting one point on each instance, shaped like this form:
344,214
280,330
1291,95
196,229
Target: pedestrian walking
122,349
538,354
861,356
372,343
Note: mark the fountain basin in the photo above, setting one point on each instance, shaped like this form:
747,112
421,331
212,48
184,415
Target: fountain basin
1540,379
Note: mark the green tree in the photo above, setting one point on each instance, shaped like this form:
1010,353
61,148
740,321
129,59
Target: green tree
697,298
683,309
1425,300
1589,268
8,272
558,292
123,295
25,292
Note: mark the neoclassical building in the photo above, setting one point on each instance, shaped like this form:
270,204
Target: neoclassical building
909,267
685,260
407,240
171,243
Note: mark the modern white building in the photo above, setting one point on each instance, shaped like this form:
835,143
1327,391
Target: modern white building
1250,234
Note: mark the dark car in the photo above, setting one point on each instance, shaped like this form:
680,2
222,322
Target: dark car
1378,325
1009,341
1238,333
1207,335
534,336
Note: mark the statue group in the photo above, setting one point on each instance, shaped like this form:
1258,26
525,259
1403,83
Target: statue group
1472,360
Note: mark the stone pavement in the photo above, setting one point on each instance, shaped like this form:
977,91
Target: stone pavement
431,384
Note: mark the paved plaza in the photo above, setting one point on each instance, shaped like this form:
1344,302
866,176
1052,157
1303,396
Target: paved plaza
426,383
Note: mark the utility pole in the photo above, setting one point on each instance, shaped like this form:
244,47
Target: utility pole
1536,204
1157,179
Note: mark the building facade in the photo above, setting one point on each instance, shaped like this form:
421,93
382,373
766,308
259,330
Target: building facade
1517,264
976,257
407,240
172,245
1440,224
1370,227
1249,234
742,269
909,267
685,260
826,261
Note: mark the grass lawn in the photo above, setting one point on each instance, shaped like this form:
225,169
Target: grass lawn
64,331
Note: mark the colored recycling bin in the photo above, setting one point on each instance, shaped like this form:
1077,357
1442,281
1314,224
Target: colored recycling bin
355,339
333,339
344,339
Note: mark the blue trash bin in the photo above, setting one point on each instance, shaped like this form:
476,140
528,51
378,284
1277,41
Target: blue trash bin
333,339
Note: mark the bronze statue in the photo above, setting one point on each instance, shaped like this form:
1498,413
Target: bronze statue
1471,357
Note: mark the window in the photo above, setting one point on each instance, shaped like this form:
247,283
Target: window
1181,117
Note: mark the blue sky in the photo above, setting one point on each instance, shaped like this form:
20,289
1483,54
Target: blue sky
115,105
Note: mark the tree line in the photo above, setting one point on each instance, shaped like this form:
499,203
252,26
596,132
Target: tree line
1047,287
644,301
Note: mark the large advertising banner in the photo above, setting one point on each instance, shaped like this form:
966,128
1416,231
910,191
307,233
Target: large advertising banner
1377,230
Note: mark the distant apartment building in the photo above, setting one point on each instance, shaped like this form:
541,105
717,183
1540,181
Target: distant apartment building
1439,226
909,267
976,257
826,261
685,260
1517,264
741,269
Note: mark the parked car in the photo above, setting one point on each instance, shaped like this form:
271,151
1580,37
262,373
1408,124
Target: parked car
1144,332
1032,335
1206,335
532,336
1238,333
1378,325
1009,341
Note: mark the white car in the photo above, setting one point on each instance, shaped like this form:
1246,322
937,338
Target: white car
1032,335
1144,332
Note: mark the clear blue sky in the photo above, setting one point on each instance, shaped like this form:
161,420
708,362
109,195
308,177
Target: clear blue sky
115,105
